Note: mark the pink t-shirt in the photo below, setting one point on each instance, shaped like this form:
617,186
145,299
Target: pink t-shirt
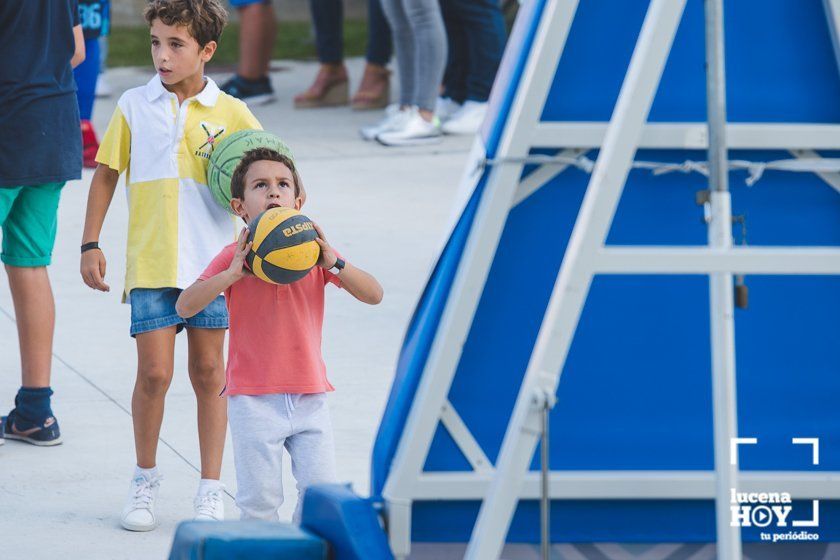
275,332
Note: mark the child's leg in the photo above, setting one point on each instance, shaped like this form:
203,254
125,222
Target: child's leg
155,363
256,39
207,374
259,426
312,447
35,317
28,216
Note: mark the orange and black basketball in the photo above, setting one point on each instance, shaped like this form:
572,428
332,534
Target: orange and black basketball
283,246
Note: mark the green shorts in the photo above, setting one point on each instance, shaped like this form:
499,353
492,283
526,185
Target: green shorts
29,218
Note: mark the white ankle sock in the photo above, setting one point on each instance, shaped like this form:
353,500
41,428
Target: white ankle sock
207,485
147,473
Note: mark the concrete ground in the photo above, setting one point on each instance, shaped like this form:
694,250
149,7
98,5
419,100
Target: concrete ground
384,208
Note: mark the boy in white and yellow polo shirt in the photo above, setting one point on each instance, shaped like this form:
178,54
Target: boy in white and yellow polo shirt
162,135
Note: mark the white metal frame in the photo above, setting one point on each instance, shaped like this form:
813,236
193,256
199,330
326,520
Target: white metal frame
721,289
576,272
504,484
694,136
832,179
471,275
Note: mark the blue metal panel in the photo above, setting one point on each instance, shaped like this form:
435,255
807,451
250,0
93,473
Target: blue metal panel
636,389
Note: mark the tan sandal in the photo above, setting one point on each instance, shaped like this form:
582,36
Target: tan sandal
326,91
374,91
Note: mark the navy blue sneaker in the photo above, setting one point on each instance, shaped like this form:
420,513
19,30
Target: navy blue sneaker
252,92
46,433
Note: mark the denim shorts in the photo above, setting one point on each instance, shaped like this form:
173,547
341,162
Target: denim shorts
154,308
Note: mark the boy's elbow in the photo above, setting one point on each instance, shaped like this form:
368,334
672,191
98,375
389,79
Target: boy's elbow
376,297
182,310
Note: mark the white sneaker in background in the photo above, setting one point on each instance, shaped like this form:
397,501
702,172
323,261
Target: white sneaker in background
467,120
208,506
445,107
139,511
416,131
393,120
103,88
392,109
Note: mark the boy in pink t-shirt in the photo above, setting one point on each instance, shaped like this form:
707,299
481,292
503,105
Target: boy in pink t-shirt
276,378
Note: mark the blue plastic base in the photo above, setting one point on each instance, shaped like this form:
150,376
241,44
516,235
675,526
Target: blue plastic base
245,540
348,522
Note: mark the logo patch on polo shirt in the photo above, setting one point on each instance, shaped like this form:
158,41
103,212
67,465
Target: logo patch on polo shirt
213,132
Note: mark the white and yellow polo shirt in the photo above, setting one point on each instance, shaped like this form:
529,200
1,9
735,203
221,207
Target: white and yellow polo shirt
175,227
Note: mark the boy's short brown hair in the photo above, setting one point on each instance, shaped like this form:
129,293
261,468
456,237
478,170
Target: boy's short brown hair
237,180
205,19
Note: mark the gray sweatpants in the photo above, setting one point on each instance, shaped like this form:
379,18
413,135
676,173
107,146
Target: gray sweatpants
261,426
420,44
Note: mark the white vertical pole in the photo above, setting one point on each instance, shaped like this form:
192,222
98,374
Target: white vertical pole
721,290
572,285
545,498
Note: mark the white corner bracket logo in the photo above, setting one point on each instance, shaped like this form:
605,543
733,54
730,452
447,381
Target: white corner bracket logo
763,509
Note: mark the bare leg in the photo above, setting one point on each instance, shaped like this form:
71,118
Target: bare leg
257,32
207,374
155,363
35,316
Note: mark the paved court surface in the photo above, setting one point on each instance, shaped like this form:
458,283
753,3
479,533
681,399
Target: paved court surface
384,208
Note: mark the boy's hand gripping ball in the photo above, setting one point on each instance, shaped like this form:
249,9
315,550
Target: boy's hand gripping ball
283,246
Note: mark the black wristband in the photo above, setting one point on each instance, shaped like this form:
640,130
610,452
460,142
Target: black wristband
339,265
89,246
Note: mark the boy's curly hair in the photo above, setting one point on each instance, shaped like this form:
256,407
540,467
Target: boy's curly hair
205,19
237,180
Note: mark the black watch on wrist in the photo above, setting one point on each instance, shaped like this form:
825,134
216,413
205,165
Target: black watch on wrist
89,246
338,266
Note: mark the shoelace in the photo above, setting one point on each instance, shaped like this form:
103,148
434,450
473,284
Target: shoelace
205,504
143,492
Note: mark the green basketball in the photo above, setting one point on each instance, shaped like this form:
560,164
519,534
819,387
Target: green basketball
226,156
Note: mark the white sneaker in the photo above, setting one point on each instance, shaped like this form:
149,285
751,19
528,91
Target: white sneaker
445,107
394,119
103,88
416,131
467,120
209,506
392,109
139,511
